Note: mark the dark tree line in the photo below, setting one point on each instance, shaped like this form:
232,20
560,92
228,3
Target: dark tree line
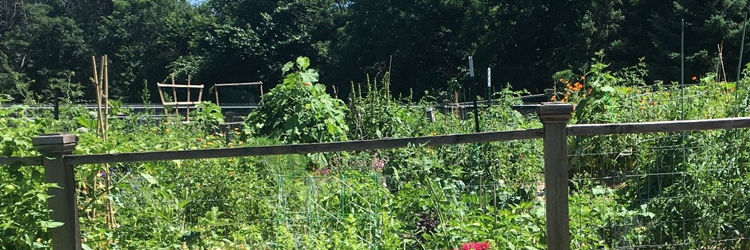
46,45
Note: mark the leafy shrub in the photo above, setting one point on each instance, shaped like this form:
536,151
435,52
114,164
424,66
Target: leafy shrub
208,115
299,109
374,114
24,215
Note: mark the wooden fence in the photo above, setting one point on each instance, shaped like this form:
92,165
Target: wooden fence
59,162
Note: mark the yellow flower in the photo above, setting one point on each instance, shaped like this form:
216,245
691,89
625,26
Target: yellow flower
209,143
240,142
167,130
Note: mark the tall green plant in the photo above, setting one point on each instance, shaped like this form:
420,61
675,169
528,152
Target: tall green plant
299,110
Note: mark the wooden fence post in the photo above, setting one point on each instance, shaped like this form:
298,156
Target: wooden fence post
63,201
555,117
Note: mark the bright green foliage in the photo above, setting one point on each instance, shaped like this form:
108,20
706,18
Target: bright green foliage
24,218
208,115
299,109
375,114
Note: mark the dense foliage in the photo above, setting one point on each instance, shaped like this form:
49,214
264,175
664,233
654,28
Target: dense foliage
45,46
299,109
666,189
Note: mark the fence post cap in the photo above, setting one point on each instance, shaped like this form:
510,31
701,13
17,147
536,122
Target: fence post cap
554,111
55,143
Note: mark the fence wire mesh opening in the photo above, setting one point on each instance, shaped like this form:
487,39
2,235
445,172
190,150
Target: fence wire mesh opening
661,191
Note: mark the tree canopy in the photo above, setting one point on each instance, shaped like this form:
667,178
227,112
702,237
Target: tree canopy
46,45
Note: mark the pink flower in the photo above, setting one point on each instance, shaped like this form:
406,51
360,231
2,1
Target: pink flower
476,246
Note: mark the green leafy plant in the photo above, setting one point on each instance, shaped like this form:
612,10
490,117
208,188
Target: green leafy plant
299,109
208,115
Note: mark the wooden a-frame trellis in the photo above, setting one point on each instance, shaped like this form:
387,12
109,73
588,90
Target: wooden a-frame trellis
174,101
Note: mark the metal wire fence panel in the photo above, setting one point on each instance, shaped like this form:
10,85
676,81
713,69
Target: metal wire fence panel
663,191
312,206
430,197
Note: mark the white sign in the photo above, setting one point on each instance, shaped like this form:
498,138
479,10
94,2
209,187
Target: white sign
471,66
489,77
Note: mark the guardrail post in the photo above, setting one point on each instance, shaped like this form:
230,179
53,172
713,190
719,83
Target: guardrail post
555,117
63,199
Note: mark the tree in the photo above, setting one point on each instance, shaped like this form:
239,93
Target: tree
46,49
143,38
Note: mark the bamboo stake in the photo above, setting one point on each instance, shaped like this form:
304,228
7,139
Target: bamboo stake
95,81
161,95
721,62
100,90
216,92
174,96
98,97
108,181
106,97
188,99
455,100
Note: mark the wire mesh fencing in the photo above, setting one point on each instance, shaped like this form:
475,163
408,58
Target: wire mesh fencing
416,197
663,191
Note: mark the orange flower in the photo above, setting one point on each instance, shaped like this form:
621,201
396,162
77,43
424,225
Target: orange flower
583,77
561,80
554,97
307,84
695,78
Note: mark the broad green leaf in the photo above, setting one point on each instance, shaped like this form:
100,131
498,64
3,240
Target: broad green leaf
303,62
50,224
149,178
287,67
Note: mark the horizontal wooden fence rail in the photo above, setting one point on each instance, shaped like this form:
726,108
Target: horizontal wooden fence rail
21,161
657,127
306,148
573,130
